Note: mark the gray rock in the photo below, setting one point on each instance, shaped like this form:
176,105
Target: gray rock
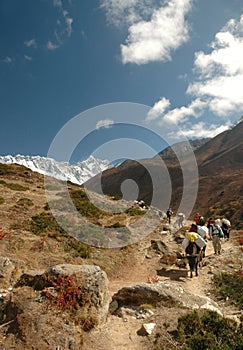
163,293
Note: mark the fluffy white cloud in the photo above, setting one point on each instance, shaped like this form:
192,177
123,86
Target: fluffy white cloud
155,39
176,115
158,109
201,130
154,30
220,78
104,123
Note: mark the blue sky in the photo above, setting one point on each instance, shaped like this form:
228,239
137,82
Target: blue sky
183,59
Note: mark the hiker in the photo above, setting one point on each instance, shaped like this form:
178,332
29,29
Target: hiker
201,221
216,234
169,212
226,228
180,219
193,228
196,218
210,222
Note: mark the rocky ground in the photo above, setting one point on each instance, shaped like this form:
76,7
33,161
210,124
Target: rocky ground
144,283
126,330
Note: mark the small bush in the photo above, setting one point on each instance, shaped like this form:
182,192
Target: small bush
208,330
2,200
44,222
229,286
134,211
25,202
5,169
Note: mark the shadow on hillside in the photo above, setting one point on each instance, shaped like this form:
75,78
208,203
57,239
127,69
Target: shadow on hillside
173,274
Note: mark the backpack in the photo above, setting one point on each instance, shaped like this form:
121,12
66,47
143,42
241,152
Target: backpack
168,213
217,231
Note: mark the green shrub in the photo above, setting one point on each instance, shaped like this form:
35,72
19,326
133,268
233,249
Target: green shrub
230,287
13,186
84,206
5,169
208,330
44,222
2,200
25,202
134,211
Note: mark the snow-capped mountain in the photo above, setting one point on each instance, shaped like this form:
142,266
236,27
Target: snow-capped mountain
78,173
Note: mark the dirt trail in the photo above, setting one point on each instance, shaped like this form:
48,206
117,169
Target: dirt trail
121,333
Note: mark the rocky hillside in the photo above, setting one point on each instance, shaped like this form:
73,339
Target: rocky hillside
220,165
58,293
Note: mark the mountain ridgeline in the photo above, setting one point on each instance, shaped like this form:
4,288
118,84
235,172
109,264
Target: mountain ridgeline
220,184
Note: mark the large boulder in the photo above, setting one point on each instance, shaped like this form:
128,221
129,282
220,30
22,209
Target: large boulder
92,279
161,294
89,278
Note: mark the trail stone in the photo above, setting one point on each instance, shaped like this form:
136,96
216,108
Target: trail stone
148,328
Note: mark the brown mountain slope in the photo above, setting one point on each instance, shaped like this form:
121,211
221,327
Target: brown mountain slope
220,165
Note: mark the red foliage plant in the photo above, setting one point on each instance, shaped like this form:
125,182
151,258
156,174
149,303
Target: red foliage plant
66,293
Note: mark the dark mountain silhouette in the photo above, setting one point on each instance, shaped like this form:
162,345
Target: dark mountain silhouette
220,166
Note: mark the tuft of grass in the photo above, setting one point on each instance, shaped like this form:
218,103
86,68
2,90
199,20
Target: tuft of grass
230,287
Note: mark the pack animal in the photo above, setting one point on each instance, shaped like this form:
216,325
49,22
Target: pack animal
194,256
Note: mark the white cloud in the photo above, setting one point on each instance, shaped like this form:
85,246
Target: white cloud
28,58
126,12
64,29
158,109
154,40
104,123
50,46
220,77
217,88
30,43
155,30
201,130
69,22
176,115
57,3
7,59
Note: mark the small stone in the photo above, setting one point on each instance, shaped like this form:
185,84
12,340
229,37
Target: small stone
148,328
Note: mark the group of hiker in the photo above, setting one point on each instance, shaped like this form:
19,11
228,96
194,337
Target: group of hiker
212,229
202,230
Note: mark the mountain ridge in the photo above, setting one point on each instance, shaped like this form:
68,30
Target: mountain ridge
77,173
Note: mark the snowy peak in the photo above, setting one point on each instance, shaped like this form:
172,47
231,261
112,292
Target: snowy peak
77,173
